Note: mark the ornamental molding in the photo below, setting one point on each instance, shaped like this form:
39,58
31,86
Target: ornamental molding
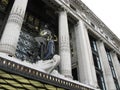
64,44
64,47
28,72
16,16
7,45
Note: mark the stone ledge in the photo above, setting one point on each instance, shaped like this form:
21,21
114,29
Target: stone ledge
12,65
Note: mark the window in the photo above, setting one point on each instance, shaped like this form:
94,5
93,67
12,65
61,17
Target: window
98,68
119,60
75,74
101,82
112,69
93,44
96,61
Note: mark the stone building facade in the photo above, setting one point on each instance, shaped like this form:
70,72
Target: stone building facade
89,51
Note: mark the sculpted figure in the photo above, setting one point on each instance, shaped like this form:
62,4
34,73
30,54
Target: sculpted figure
42,46
49,65
46,44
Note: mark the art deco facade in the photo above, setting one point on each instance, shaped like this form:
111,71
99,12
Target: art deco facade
89,51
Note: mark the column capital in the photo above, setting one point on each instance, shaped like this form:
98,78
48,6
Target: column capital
61,9
79,21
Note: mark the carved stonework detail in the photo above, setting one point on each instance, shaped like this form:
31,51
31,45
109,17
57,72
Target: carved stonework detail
7,45
16,16
7,48
66,1
64,46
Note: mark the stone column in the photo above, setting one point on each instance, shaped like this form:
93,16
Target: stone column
13,26
86,66
64,45
109,82
116,65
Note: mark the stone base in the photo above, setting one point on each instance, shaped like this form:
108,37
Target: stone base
69,76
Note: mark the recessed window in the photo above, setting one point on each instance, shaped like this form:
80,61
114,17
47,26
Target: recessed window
112,69
119,60
93,44
101,82
75,73
97,63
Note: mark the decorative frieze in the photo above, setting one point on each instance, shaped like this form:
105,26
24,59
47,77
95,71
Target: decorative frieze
16,18
21,70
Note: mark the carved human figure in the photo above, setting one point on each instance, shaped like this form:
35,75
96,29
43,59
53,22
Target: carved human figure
42,46
46,44
50,49
50,64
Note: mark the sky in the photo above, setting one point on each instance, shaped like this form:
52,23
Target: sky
108,11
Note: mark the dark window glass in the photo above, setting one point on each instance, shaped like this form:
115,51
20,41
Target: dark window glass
96,61
93,44
101,82
75,74
112,69
119,60
97,64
